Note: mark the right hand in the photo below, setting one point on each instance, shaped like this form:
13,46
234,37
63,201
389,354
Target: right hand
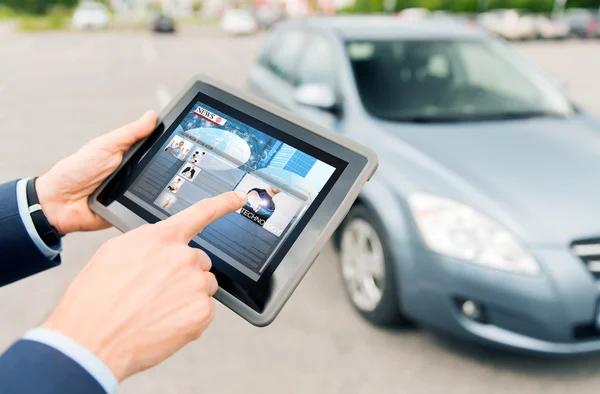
145,294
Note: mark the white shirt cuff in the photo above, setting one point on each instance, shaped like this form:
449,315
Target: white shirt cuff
86,359
23,206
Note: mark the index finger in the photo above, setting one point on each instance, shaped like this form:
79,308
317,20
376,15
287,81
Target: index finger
192,220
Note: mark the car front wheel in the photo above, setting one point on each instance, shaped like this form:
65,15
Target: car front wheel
367,268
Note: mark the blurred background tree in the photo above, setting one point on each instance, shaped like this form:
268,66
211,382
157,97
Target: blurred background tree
366,7
37,6
545,6
197,6
360,6
154,6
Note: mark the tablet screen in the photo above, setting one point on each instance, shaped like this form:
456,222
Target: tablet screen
209,151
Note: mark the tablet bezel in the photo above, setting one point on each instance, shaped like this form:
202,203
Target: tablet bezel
361,163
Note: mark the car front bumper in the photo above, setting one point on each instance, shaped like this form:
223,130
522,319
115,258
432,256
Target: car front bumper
551,313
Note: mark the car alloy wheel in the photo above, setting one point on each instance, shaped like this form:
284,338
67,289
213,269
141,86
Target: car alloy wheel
363,264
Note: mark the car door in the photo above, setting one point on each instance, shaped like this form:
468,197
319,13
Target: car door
272,77
317,65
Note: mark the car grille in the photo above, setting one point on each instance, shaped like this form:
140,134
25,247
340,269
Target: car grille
589,252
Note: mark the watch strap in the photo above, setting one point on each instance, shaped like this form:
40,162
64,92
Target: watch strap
47,232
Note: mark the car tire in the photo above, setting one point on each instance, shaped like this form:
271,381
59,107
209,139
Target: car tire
362,234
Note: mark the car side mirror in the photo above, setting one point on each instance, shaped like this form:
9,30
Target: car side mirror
316,95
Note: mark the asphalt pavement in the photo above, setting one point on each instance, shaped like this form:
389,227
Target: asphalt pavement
59,90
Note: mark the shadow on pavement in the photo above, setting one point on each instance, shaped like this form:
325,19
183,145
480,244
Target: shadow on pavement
571,367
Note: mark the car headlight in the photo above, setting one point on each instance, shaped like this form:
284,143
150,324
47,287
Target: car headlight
457,230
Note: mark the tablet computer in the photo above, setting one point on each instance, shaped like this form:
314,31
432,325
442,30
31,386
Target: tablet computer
301,180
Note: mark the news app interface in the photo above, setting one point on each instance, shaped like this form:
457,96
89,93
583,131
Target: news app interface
210,153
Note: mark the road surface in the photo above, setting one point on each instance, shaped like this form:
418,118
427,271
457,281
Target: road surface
59,90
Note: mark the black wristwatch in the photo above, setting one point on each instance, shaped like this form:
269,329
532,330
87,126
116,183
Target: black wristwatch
47,232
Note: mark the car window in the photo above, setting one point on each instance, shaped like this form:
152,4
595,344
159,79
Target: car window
283,53
479,65
317,63
416,80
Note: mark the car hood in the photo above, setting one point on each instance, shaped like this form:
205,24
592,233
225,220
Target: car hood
540,177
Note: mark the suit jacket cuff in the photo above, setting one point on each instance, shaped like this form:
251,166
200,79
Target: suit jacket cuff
86,359
20,256
32,367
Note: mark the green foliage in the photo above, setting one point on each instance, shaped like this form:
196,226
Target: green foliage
57,19
6,12
531,5
470,6
197,6
365,7
154,6
433,4
464,5
403,4
37,7
583,3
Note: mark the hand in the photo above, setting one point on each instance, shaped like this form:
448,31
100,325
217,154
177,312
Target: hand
64,190
145,294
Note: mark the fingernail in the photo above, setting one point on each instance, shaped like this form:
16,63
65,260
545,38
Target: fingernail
243,196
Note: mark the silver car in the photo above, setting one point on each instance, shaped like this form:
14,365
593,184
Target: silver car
483,221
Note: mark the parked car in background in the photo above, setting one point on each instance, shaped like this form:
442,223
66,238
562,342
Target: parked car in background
162,23
550,28
483,220
267,16
239,22
414,13
583,23
509,24
91,15
464,19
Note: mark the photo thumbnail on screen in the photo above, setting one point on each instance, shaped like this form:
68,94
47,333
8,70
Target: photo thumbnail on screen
197,156
175,184
166,200
190,171
179,147
268,206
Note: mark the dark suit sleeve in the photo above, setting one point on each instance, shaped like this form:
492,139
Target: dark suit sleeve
19,257
30,367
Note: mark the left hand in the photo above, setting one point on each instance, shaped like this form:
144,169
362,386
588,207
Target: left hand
64,190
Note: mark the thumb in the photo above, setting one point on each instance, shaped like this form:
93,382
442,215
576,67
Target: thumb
194,219
121,139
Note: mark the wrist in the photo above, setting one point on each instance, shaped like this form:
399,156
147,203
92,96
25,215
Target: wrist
94,342
51,207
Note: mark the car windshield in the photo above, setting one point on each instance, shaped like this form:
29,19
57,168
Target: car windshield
450,80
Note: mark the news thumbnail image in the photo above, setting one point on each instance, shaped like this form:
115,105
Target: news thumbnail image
179,147
267,205
175,184
166,201
197,156
189,171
